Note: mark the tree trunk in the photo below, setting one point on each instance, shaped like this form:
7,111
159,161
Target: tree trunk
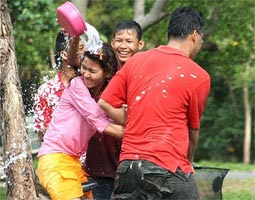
154,15
81,6
19,170
232,96
247,129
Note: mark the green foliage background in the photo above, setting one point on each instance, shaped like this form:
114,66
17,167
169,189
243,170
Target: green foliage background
228,48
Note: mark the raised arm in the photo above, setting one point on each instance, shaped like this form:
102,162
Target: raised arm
73,54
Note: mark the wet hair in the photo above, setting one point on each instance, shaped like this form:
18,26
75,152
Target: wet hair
184,21
108,61
129,25
61,45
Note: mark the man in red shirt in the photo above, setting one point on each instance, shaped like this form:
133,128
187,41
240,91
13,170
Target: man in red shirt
165,92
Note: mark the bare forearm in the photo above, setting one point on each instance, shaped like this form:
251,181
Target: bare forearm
118,115
114,130
193,139
73,56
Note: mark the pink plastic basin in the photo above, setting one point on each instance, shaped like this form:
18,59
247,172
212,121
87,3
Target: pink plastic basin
70,19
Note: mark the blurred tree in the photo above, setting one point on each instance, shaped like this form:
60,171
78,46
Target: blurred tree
35,29
233,74
81,6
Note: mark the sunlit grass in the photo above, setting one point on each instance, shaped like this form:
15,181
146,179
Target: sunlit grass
2,193
228,165
235,189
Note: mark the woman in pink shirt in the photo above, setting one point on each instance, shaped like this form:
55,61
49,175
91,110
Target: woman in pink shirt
75,120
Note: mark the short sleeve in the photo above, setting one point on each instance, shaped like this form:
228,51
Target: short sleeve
197,104
115,92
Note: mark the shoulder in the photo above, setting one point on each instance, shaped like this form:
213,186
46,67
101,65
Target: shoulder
204,74
53,84
77,83
45,87
198,70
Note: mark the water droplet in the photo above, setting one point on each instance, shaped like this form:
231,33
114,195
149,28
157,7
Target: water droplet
138,98
193,76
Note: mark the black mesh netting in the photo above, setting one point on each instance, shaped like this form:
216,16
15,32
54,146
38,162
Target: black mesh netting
209,182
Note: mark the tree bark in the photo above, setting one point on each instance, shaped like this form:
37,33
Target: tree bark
247,123
152,17
81,6
232,96
18,163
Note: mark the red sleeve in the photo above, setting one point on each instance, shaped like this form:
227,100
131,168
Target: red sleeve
115,92
197,104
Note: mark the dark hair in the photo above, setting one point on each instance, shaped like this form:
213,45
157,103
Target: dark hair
108,61
61,45
183,22
129,25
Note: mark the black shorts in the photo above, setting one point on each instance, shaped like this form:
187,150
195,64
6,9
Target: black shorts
141,179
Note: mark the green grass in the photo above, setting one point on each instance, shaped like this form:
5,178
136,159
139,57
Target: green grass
2,193
228,165
238,189
35,160
235,189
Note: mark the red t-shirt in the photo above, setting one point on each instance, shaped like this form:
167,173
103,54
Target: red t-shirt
166,92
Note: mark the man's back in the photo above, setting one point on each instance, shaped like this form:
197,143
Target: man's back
162,85
165,92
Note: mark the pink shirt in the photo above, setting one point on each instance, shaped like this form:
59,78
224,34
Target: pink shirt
75,120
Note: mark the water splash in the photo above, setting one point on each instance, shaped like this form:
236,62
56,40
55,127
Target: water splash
92,40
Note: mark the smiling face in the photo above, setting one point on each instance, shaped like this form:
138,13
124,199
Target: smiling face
93,74
125,44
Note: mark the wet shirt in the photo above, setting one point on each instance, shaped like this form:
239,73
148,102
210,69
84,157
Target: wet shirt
46,99
75,120
166,92
106,164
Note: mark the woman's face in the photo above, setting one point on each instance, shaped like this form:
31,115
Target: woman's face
93,74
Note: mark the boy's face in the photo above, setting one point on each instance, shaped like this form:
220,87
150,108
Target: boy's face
126,44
